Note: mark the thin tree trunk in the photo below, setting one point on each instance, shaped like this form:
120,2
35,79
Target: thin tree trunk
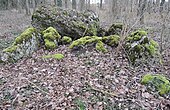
59,3
82,5
168,6
114,9
19,7
74,4
55,2
162,5
8,4
101,4
142,11
66,3
27,8
33,5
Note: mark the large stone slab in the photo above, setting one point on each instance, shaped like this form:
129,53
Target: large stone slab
67,22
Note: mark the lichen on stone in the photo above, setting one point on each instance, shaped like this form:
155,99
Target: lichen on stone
66,40
112,40
51,38
156,82
54,56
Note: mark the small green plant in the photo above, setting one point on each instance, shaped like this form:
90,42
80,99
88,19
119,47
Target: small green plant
54,56
80,104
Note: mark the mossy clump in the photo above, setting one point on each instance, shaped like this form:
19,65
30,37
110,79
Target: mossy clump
66,40
54,56
138,45
85,40
51,38
156,82
26,35
115,29
89,40
11,49
112,40
137,35
49,44
100,47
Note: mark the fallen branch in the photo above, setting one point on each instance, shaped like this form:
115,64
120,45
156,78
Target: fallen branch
36,86
101,91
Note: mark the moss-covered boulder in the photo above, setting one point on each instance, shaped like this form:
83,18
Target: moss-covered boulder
112,40
24,45
139,45
51,38
115,29
67,22
157,83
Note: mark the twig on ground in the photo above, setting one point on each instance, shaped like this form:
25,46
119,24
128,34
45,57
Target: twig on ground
35,86
102,91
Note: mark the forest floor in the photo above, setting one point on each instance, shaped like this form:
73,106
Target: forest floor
84,79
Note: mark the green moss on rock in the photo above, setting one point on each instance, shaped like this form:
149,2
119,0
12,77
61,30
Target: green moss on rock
51,34
51,38
115,29
50,44
138,45
158,82
66,40
100,47
54,56
85,40
11,49
26,35
112,40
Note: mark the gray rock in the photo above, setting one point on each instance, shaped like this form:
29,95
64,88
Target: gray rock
23,46
67,22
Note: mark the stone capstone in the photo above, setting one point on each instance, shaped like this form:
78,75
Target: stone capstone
67,22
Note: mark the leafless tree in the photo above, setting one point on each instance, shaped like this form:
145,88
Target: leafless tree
74,4
27,7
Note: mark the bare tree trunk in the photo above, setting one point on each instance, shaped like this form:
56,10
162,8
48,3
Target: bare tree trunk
82,5
114,9
66,3
131,5
19,7
149,6
142,11
27,8
168,6
162,5
59,3
74,4
101,4
55,2
9,4
33,5
87,3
